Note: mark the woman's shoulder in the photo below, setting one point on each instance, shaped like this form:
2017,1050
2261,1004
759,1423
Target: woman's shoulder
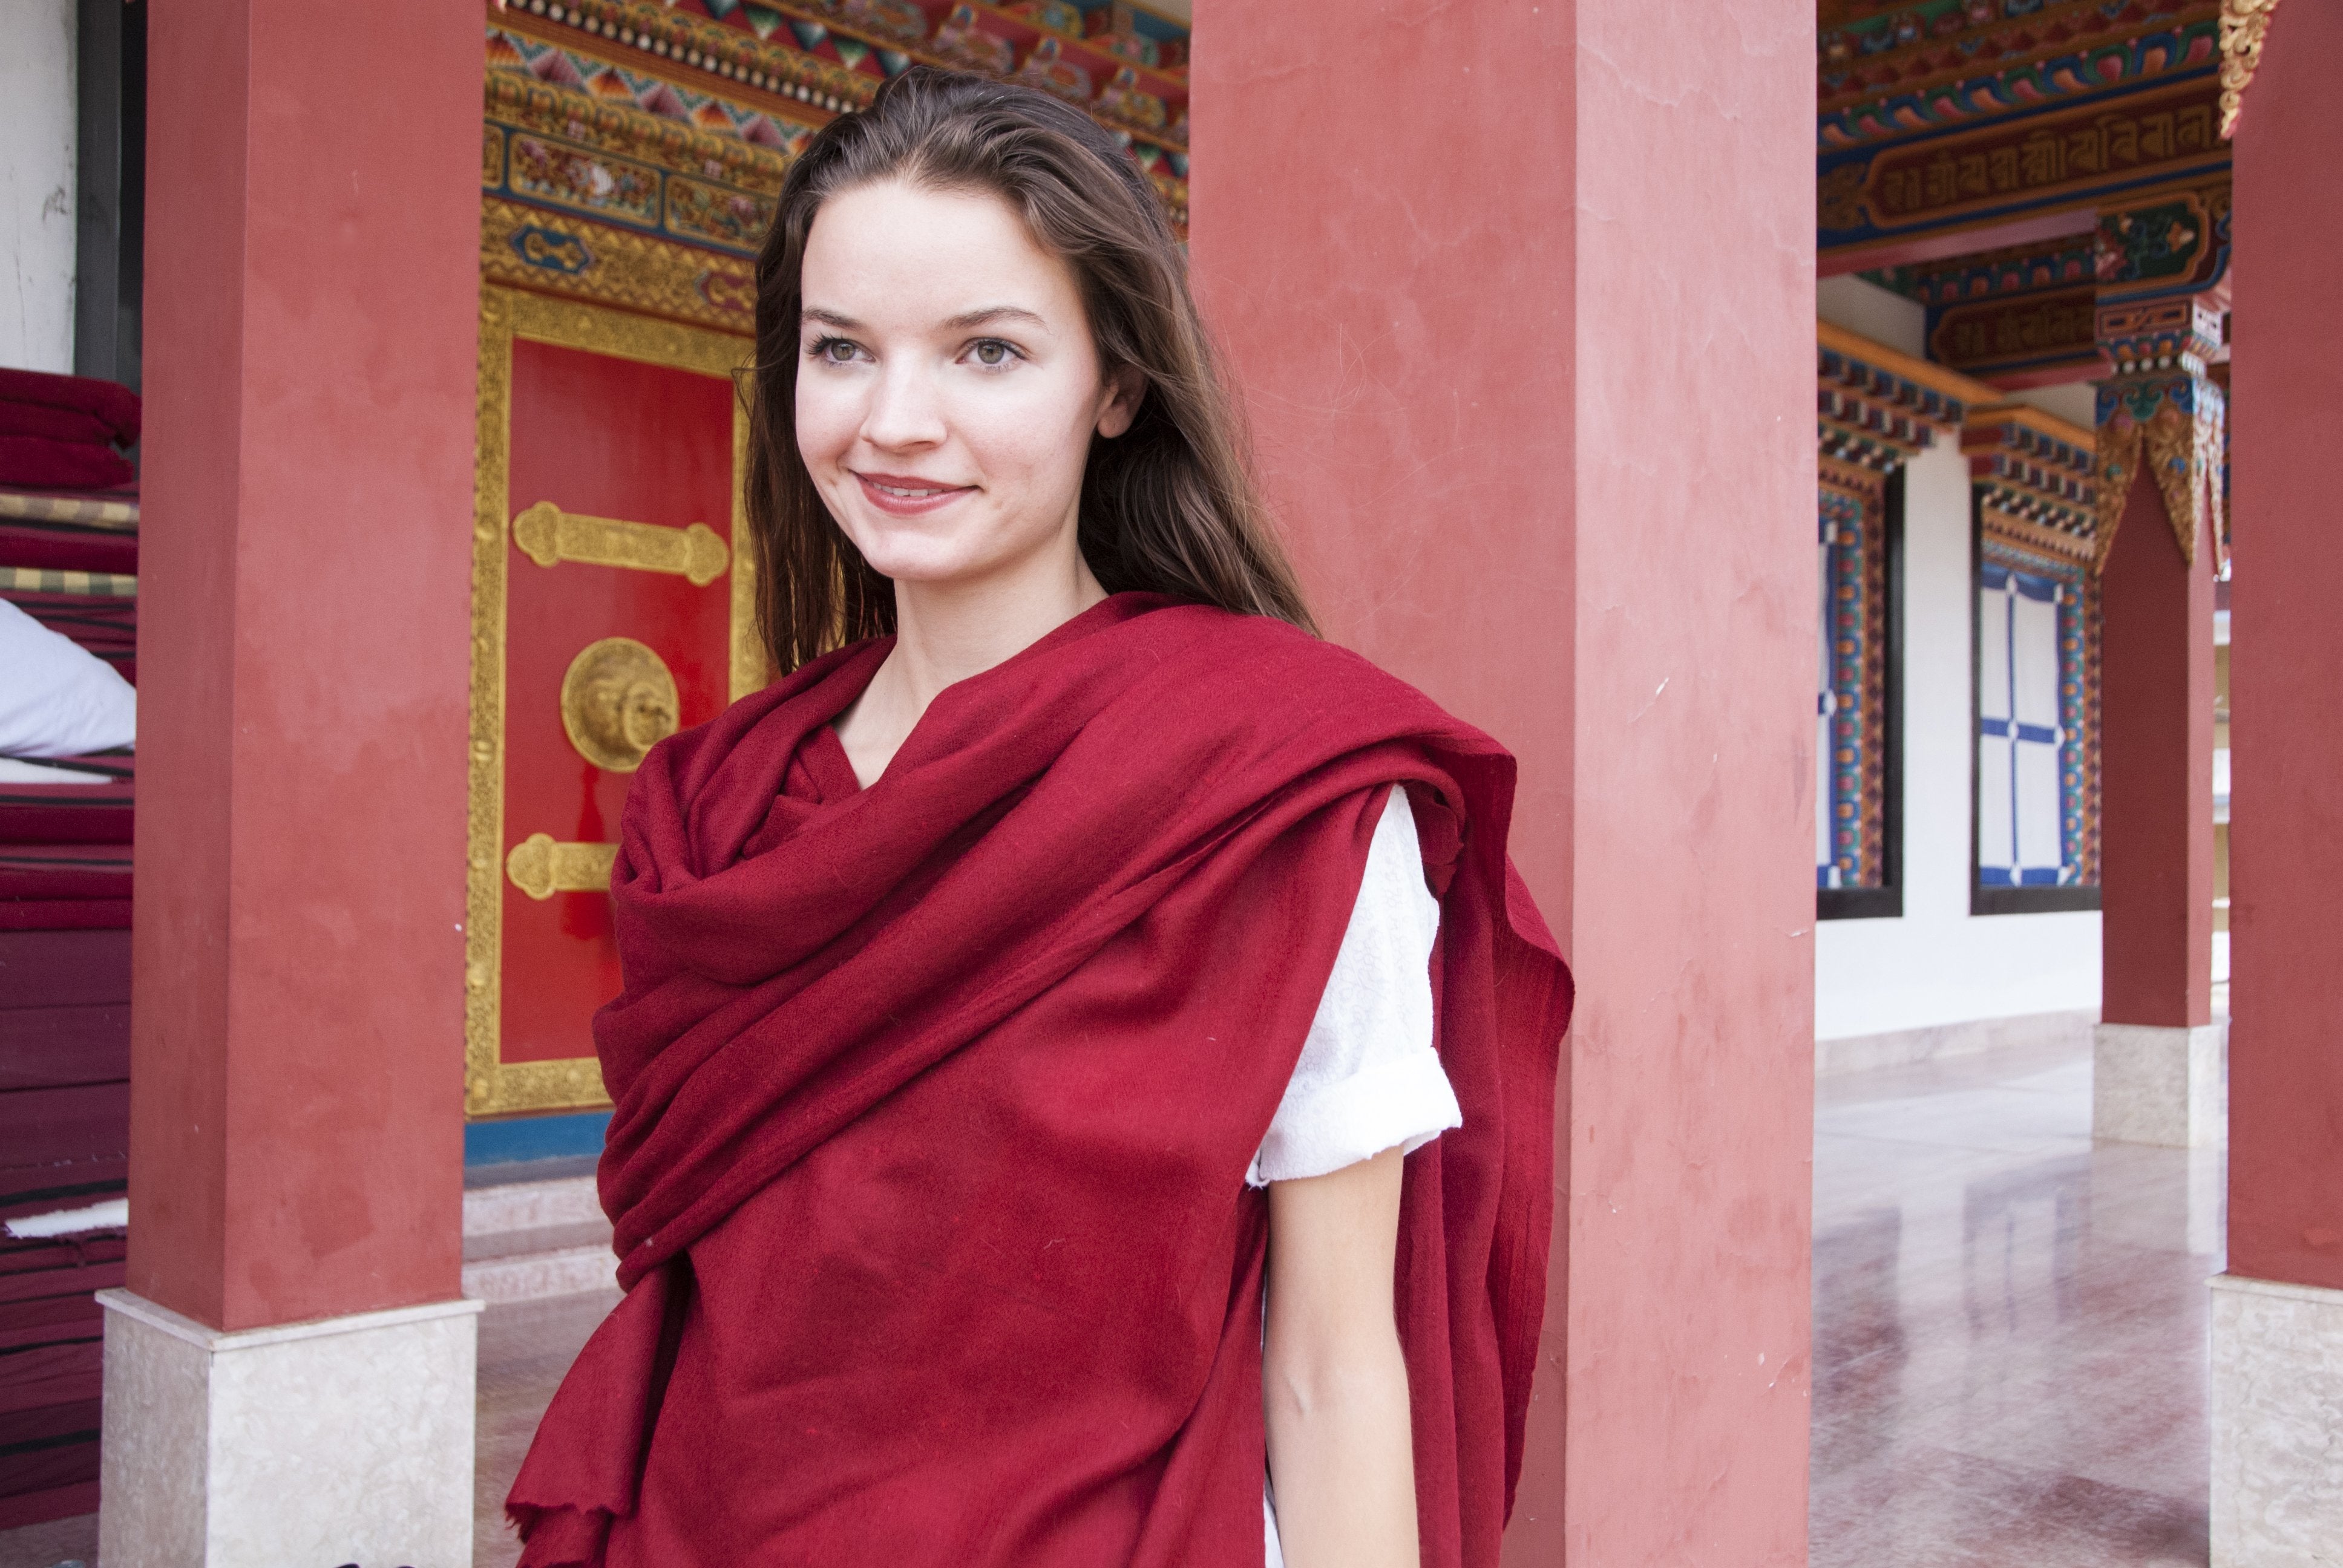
1214,694
1210,641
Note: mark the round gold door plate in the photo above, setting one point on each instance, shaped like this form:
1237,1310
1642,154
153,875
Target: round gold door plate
617,701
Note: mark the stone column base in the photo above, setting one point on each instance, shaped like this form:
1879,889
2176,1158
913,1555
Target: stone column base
344,1440
2163,1086
2277,1398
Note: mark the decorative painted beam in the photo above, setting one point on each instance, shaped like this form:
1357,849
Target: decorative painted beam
1875,406
2035,479
1900,72
1881,200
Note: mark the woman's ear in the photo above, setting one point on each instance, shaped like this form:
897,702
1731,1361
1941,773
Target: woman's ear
1125,387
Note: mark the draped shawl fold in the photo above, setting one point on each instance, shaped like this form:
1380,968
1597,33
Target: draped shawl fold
934,1102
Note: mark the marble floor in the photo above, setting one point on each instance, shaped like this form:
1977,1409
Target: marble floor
525,1349
2009,1324
2009,1334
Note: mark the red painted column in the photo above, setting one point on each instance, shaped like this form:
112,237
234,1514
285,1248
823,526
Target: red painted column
296,1065
1521,296
2286,666
2155,864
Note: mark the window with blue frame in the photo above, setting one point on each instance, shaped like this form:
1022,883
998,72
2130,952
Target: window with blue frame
2036,842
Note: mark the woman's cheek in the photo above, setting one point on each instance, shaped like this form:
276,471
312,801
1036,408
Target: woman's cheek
1033,433
826,424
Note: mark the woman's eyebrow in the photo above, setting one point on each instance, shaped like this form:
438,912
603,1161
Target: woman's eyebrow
829,318
988,314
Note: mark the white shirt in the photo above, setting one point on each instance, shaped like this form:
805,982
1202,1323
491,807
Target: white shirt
1368,1078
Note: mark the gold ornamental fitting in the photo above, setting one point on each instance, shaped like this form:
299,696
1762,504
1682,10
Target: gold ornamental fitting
542,867
617,701
549,536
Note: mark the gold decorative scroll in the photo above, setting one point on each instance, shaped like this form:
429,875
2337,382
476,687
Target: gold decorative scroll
541,868
549,536
492,1086
2244,24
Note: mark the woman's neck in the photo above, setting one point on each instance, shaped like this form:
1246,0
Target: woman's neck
948,631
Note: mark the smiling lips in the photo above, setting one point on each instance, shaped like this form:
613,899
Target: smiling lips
906,496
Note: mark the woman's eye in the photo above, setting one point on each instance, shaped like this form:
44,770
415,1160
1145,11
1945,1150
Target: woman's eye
992,352
834,351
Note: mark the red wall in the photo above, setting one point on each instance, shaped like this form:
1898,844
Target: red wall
1521,297
2286,664
312,241
2155,789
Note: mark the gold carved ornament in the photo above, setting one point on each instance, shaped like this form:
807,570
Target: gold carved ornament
617,701
2184,455
492,1085
2244,25
541,868
549,536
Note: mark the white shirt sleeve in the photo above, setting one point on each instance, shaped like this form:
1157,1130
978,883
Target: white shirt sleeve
1368,1078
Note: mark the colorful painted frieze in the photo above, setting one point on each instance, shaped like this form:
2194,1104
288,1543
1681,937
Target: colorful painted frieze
1888,71
2020,163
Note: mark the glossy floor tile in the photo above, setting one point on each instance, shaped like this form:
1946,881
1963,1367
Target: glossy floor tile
2009,1324
525,1349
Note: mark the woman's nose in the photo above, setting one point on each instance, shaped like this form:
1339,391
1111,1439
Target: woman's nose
904,410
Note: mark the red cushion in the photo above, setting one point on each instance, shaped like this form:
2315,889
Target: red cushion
50,814
36,461
112,403
67,549
53,423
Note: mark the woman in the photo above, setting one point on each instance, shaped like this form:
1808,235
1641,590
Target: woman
1032,999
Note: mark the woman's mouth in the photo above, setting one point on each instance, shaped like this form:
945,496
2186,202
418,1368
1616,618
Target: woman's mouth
905,495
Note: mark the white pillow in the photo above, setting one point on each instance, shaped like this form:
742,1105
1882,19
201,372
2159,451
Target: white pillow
57,697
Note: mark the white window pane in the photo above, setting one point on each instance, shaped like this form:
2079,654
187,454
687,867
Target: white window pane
1995,847
1822,791
2037,805
1993,654
2035,649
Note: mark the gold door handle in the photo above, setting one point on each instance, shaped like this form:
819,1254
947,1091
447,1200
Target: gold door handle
541,868
549,536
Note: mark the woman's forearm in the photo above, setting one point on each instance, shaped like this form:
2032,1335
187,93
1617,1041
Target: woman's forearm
1341,1460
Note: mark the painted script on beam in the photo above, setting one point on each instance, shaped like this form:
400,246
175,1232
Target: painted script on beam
2040,161
2010,334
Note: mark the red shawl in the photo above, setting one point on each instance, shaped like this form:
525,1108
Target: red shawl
934,1102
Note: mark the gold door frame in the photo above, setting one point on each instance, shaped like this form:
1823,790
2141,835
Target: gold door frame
493,1086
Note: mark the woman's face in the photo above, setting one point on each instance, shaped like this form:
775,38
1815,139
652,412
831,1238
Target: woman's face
947,386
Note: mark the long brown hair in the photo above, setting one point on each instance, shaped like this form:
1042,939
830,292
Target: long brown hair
1169,506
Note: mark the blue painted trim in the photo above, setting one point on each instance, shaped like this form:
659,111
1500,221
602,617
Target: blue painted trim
535,1138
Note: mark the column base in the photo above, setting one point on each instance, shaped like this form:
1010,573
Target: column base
343,1439
2164,1086
2277,1399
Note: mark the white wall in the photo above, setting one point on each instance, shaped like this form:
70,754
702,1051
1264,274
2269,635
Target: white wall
36,183
2075,402
1939,964
1879,314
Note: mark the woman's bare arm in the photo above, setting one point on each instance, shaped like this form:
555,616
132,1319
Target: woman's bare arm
1334,1383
